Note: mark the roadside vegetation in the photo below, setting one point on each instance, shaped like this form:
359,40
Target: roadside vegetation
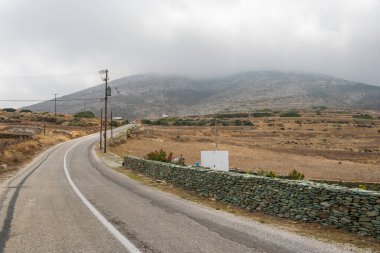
290,114
333,146
24,133
160,155
362,116
86,114
196,122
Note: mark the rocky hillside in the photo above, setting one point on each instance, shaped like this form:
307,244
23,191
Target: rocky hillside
151,95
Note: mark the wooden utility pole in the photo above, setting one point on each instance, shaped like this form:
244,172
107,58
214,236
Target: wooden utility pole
45,125
55,105
105,111
101,128
216,134
111,128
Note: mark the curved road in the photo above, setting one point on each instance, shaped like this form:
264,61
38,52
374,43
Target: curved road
66,200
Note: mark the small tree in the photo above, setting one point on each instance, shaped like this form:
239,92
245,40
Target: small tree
9,110
146,121
160,155
86,114
290,114
25,110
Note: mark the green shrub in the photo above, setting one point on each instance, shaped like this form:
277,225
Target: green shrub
362,116
362,186
295,175
247,123
86,114
271,174
115,123
201,123
160,155
162,122
290,114
77,123
261,114
25,110
264,110
262,172
178,122
237,122
231,115
186,122
45,119
146,121
266,173
9,110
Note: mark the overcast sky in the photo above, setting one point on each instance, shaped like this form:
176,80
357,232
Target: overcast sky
50,46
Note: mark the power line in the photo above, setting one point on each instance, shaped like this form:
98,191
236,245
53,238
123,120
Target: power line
46,76
46,100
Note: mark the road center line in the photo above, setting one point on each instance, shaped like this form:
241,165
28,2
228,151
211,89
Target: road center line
120,237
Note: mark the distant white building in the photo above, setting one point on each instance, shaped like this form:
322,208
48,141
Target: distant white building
119,120
165,115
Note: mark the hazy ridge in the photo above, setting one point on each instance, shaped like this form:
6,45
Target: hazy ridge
151,95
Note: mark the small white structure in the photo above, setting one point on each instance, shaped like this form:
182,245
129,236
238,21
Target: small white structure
119,120
215,160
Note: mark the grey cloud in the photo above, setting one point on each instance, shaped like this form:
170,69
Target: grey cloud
197,38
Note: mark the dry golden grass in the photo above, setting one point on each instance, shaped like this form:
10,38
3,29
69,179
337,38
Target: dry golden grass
332,147
17,153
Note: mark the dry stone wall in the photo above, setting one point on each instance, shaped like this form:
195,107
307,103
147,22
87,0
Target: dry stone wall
355,210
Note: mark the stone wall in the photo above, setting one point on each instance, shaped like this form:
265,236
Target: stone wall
351,209
368,186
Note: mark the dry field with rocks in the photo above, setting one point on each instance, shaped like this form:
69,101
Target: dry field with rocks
328,145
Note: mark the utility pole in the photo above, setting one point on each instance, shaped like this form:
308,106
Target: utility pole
55,105
106,94
111,128
44,125
105,113
84,107
216,134
101,128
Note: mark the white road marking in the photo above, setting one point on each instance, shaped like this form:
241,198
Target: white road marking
122,239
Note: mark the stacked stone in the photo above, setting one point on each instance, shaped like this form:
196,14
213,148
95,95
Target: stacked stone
355,210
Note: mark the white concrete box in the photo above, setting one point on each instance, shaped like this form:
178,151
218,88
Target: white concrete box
215,160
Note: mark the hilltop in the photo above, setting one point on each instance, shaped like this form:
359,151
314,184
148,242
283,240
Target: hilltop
151,95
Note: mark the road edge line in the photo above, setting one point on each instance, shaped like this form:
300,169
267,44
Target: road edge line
116,233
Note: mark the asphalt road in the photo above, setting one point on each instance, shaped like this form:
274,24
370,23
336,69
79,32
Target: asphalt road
67,200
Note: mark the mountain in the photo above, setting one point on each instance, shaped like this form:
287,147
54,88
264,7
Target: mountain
151,95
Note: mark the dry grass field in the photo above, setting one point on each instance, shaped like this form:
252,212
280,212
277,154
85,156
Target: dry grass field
332,145
22,135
